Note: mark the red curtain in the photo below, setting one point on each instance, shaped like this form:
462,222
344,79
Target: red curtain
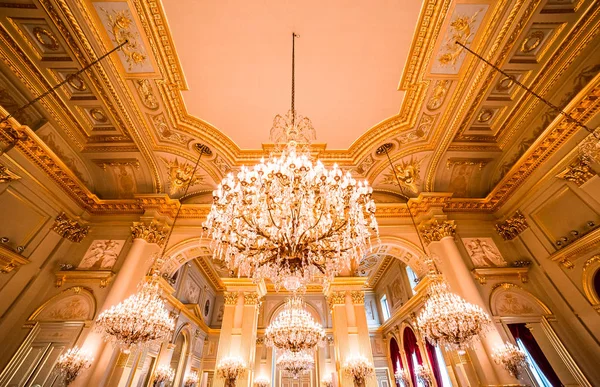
520,331
410,346
437,372
395,357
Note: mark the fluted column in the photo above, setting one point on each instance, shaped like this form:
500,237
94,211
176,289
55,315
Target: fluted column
350,330
148,237
439,235
240,322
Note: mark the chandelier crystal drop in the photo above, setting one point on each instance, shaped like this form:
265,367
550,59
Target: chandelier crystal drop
231,368
191,379
139,320
295,363
71,363
511,358
164,374
294,329
448,320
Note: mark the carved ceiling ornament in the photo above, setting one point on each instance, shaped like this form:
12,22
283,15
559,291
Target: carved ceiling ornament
358,297
440,90
512,227
6,176
144,89
578,172
165,133
408,172
154,232
120,27
69,229
435,230
231,298
180,175
46,38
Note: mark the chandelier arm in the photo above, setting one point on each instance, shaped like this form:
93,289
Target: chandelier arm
560,111
322,212
271,214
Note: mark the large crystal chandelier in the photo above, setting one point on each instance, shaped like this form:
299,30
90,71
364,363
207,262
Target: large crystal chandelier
71,363
139,320
294,329
289,219
231,368
447,319
359,368
295,363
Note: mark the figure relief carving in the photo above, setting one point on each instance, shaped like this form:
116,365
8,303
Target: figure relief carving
510,304
483,252
152,233
578,171
180,175
144,89
358,297
231,298
6,176
336,298
512,227
435,230
70,229
251,298
102,254
440,89
408,173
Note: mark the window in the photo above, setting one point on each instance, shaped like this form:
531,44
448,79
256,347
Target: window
536,372
442,368
385,307
412,278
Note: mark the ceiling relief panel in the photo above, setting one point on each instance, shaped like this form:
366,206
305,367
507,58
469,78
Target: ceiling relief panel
462,27
120,25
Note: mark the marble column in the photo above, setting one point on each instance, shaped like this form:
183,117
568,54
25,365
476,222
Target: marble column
238,329
148,237
350,330
439,235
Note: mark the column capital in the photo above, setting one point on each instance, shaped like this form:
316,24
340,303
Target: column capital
69,228
251,298
153,232
231,298
435,230
358,297
336,298
578,172
512,226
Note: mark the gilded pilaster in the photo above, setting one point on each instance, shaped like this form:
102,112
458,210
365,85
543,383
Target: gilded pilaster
435,230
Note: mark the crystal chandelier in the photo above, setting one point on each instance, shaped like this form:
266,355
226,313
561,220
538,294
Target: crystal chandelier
402,377
71,363
139,320
289,219
447,319
327,381
191,379
163,374
295,363
262,381
230,369
359,368
423,375
511,358
294,329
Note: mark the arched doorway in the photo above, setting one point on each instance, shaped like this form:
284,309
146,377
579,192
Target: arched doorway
178,358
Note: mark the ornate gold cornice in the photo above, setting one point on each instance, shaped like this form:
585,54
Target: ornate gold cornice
577,249
6,176
435,230
69,228
154,232
101,277
578,172
10,260
512,226
501,273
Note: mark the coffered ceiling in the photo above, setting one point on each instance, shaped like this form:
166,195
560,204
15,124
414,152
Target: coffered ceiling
122,137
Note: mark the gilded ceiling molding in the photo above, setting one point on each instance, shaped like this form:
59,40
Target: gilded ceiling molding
512,227
146,94
436,230
6,176
578,172
590,269
577,249
231,298
69,228
154,232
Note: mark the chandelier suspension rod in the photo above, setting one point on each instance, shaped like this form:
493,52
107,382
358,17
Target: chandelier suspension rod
59,85
293,107
568,116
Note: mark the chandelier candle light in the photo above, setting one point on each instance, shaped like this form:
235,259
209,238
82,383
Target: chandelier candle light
423,375
71,363
327,381
191,379
289,219
230,369
402,377
511,358
294,329
359,368
262,381
163,375
295,363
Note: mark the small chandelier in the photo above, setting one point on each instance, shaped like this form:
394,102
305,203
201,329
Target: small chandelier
402,377
423,375
359,368
294,329
163,374
191,379
295,363
448,320
139,320
511,358
71,363
262,381
289,219
230,369
327,381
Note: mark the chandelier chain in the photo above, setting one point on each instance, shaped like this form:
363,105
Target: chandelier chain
530,91
293,107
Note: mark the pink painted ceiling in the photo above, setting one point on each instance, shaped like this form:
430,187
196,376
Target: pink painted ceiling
236,56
